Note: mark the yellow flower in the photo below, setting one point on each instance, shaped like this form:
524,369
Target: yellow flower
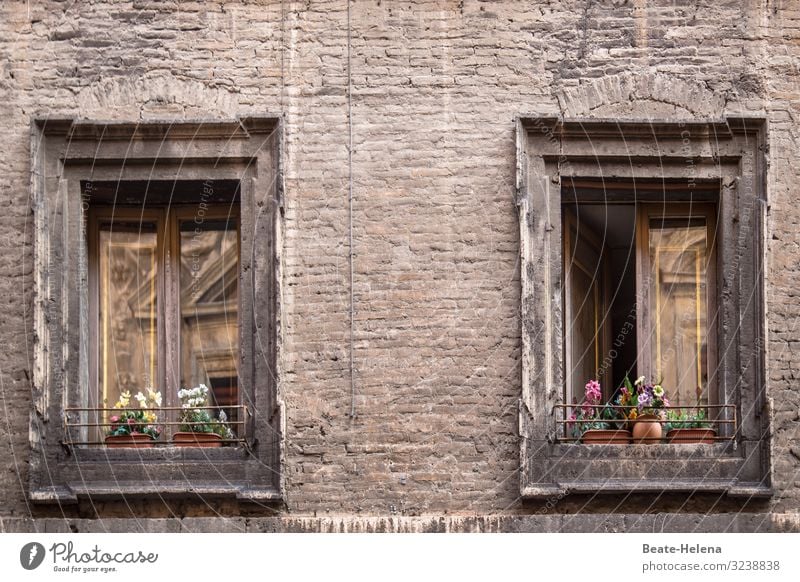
632,415
155,397
124,400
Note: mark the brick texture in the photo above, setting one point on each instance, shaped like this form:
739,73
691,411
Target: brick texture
436,340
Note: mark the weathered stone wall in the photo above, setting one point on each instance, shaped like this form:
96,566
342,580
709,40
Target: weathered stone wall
435,89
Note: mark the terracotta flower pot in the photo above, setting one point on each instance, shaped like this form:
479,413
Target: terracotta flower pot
196,439
129,440
647,429
692,435
606,437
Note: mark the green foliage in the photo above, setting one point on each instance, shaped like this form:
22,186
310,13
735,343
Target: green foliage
132,422
195,416
127,421
687,419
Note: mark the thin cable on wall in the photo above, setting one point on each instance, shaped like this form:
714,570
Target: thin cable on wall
350,211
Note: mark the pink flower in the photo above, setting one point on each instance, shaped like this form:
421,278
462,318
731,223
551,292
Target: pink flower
114,419
593,392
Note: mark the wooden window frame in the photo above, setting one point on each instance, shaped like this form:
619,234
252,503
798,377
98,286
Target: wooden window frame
168,313
645,214
720,161
601,293
68,157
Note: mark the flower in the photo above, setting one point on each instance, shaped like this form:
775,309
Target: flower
135,421
593,392
641,397
124,400
195,415
154,396
591,413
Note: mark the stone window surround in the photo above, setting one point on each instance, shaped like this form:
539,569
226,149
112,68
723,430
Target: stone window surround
729,152
66,152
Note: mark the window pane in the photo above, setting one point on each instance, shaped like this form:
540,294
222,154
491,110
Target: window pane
127,333
584,331
209,297
679,259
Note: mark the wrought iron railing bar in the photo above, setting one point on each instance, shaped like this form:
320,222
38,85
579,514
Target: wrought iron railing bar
716,424
166,423
91,409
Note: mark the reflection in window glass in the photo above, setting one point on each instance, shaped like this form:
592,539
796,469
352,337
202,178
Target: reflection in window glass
584,329
209,299
679,261
127,309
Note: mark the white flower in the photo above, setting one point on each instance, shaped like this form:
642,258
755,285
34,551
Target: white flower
639,380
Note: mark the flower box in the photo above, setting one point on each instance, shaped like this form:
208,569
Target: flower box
137,440
196,439
692,436
606,437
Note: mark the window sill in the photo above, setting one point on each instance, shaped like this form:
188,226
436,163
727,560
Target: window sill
559,469
729,487
122,473
166,454
110,490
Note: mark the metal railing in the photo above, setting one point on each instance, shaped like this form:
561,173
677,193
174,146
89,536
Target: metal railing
719,424
88,426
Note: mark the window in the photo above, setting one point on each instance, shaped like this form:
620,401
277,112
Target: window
642,254
163,294
156,264
639,286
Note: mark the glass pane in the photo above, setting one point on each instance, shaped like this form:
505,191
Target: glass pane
209,296
584,329
678,259
127,309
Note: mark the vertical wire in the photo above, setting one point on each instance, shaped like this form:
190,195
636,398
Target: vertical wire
350,212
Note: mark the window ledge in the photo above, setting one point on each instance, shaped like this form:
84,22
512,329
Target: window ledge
730,487
655,451
72,492
165,454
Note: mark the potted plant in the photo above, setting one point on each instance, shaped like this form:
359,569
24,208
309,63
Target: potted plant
689,426
594,424
131,427
644,405
198,427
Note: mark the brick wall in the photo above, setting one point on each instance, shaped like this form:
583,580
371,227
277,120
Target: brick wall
436,340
